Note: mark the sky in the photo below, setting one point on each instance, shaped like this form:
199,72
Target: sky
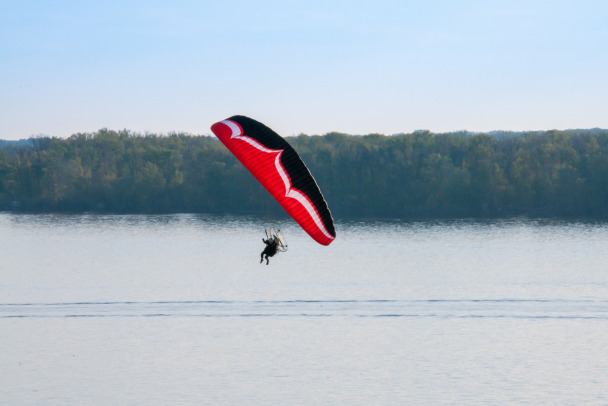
302,66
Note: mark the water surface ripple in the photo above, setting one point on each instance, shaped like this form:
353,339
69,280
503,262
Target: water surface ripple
475,308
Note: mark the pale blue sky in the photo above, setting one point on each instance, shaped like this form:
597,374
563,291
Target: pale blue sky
302,66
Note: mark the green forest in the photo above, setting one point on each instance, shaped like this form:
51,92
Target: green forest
420,175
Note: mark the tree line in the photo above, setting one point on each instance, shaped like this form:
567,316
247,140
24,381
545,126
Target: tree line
408,176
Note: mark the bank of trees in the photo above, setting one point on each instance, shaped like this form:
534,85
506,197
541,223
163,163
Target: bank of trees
419,175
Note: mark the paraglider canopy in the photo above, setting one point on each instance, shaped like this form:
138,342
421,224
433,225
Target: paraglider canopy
277,166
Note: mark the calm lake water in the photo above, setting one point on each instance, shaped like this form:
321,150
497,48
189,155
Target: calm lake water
168,310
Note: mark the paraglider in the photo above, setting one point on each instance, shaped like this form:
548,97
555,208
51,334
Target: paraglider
275,243
271,249
277,166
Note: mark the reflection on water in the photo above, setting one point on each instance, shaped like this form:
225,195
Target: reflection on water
177,309
91,258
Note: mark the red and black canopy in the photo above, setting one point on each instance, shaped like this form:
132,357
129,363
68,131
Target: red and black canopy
277,166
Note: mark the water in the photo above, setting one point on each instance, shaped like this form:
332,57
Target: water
157,310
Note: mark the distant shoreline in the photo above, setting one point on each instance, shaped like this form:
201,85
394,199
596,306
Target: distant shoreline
549,174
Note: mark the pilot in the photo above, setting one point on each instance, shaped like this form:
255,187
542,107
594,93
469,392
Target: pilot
270,250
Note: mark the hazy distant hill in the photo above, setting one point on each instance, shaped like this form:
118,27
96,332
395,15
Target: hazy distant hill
19,143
